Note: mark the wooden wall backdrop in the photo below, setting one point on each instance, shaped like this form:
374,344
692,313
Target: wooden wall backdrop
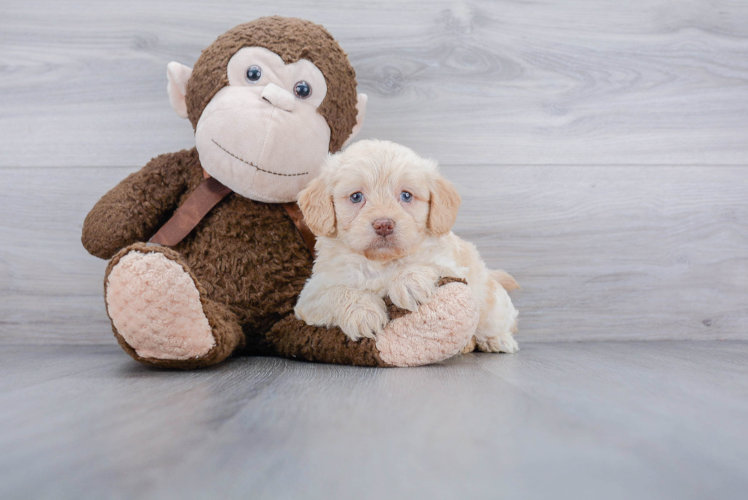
600,146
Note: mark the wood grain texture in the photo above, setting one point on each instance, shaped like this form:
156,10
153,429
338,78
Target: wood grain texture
476,82
575,421
601,252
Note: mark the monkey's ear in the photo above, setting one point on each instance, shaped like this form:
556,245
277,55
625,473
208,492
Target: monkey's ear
316,204
361,107
178,75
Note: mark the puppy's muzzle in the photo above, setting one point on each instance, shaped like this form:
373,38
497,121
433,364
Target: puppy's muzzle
383,227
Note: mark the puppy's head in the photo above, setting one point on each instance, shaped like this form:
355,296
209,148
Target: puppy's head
379,199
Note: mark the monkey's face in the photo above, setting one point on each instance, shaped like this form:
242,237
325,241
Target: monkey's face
261,135
263,127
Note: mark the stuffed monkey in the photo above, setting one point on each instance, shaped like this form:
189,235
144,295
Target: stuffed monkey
268,100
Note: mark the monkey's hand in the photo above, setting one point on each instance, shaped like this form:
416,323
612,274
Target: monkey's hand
413,286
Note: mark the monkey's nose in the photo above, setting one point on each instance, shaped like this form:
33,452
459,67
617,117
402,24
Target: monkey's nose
383,227
279,97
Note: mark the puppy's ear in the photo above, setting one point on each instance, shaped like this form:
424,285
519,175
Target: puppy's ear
443,206
316,204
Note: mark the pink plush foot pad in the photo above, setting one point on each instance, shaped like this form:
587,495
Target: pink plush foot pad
156,308
435,332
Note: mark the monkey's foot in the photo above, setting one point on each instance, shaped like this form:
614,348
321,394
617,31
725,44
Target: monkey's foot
159,313
434,332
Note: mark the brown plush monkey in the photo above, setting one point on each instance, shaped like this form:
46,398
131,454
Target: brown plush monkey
268,100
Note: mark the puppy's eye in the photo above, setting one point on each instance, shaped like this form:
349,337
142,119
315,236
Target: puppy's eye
357,197
254,73
406,196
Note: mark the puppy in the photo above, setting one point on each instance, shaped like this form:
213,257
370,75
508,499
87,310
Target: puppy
383,217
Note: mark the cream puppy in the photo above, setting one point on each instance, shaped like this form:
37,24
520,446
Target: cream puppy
383,217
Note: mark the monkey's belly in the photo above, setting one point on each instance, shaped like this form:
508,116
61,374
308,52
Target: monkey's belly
249,256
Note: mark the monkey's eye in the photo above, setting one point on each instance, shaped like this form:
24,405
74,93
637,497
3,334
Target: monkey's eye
357,197
302,89
254,73
406,196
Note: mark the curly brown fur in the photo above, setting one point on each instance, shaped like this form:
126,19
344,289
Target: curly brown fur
293,338
292,39
141,203
249,256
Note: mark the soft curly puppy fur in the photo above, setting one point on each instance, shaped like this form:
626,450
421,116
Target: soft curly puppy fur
383,218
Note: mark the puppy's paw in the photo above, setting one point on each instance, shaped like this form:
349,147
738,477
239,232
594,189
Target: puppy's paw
413,287
314,311
499,343
365,317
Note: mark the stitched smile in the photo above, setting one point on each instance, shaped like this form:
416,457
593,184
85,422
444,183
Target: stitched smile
255,166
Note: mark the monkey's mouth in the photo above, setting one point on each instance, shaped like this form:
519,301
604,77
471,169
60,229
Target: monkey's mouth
255,166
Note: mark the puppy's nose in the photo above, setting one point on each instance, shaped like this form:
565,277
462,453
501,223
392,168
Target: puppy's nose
383,227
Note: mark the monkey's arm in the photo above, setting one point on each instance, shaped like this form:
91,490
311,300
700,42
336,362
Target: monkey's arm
134,209
434,332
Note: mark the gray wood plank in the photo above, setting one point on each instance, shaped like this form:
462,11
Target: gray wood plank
473,82
644,420
601,252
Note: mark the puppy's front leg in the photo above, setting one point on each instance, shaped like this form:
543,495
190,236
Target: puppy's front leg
357,313
413,286
362,314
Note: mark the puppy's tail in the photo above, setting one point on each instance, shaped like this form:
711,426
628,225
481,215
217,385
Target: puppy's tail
504,279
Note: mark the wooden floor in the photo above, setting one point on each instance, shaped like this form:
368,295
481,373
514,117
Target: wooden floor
591,420
601,150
